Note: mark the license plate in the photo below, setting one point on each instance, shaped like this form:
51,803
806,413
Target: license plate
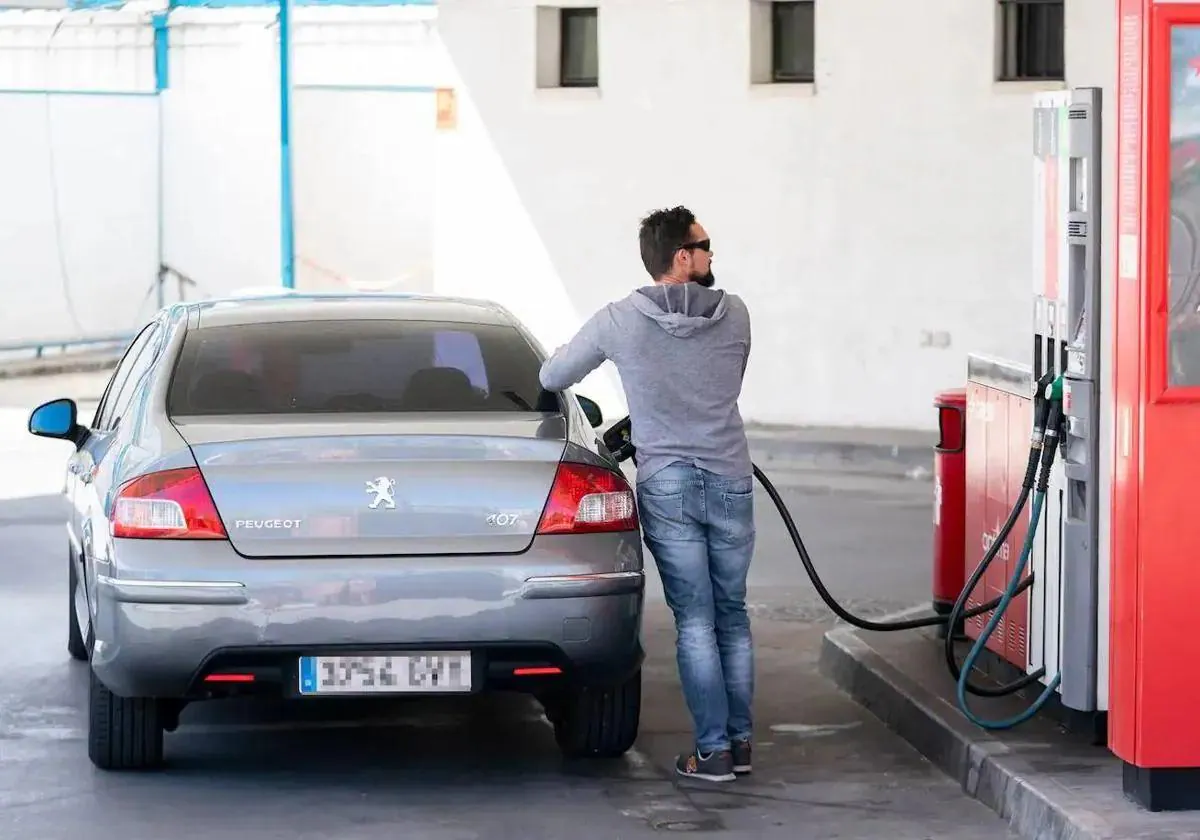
405,673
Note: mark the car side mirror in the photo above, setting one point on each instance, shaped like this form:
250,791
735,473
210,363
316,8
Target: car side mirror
55,419
592,411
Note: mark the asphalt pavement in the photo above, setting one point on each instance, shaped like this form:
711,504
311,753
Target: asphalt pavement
480,767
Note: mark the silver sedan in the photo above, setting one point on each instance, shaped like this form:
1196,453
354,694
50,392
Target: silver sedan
316,496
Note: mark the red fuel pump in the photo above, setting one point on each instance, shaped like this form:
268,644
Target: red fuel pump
1154,646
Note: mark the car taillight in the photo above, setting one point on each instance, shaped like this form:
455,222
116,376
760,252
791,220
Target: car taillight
172,504
586,500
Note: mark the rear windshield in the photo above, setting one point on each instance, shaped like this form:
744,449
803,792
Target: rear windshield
317,367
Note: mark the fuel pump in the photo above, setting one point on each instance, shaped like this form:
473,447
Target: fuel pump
1063,619
1058,530
1052,635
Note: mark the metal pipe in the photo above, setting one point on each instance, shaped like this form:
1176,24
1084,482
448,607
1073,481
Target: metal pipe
286,208
162,49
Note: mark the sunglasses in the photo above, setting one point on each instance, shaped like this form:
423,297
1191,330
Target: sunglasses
702,245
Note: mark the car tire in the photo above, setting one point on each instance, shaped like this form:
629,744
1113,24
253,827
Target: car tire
76,645
599,722
124,733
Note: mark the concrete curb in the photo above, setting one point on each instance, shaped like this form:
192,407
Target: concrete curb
983,766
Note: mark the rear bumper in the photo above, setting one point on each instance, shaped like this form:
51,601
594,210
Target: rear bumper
162,626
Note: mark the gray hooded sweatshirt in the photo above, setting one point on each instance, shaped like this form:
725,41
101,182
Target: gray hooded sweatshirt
681,352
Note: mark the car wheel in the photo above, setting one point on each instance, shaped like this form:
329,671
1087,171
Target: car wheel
599,722
124,733
76,646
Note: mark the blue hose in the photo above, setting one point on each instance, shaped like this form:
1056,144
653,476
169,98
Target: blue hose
1010,592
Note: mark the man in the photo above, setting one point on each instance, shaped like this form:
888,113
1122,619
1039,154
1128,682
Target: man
681,348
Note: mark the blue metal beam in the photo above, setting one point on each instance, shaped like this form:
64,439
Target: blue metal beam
287,229
162,51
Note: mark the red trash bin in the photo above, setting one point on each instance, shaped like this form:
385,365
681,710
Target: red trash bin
950,499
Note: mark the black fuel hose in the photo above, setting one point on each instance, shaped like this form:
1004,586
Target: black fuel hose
618,439
890,626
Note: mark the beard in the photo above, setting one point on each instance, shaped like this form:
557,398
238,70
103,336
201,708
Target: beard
705,280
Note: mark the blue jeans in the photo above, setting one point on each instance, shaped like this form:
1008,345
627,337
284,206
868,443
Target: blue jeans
699,526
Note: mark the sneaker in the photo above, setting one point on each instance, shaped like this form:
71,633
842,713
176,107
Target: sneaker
741,756
714,767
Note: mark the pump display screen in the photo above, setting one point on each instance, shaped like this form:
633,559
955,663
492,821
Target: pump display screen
1183,245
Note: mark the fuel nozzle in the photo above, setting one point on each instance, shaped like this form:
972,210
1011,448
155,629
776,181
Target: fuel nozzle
1041,407
619,440
1053,399
1041,415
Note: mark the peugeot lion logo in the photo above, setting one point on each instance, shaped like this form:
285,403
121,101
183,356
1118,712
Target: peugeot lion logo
384,490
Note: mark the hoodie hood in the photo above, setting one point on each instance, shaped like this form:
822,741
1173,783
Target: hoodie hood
681,309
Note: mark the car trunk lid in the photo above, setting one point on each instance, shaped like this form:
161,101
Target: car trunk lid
358,486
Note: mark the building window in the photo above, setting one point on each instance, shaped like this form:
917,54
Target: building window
1031,34
579,38
782,42
793,40
568,47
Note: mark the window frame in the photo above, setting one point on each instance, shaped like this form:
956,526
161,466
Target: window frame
494,341
777,13
1025,50
138,369
566,16
102,419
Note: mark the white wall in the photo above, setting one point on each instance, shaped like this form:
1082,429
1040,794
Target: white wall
877,223
221,142
78,174
363,127
365,118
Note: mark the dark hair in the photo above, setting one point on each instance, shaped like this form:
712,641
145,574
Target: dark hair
661,234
